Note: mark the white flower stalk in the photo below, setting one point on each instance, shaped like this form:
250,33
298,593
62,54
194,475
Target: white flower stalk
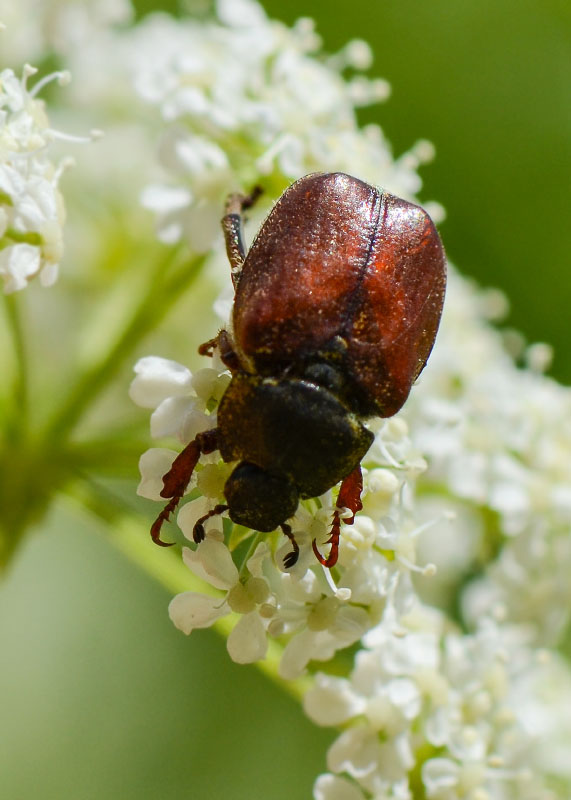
32,210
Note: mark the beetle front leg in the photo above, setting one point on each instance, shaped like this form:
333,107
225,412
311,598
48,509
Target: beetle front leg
349,497
233,228
178,477
227,354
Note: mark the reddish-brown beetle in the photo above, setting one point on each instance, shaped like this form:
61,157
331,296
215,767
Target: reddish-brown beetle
336,309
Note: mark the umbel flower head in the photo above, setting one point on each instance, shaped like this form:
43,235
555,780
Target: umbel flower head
462,708
443,699
32,210
242,100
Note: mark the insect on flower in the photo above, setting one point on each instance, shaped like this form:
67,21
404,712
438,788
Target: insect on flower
336,309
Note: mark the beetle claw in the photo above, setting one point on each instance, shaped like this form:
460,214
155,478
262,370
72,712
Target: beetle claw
158,524
198,530
333,540
291,558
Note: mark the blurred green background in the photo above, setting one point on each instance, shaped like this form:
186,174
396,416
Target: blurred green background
100,696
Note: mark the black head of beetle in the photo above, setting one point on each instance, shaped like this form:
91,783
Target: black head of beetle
300,437
336,309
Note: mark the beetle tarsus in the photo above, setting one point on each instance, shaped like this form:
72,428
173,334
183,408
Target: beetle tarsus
178,477
207,348
237,203
158,523
291,558
225,347
349,498
333,540
251,199
198,530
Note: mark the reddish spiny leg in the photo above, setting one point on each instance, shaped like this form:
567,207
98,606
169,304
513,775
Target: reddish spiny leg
177,478
349,497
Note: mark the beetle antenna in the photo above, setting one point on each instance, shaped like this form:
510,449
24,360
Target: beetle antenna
178,477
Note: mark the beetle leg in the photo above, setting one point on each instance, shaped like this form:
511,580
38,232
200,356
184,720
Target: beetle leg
232,226
207,348
177,478
227,355
350,498
292,557
198,530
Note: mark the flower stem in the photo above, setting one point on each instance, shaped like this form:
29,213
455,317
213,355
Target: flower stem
167,568
19,412
157,301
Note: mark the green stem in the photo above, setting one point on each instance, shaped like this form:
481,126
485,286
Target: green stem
167,568
250,551
20,408
158,300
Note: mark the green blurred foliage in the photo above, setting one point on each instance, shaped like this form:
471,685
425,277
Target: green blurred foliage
102,698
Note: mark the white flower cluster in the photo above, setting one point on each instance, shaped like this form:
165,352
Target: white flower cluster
436,709
439,705
465,714
31,206
498,438
242,100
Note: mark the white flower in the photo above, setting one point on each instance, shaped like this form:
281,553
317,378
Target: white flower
31,207
235,103
462,693
212,562
498,439
331,787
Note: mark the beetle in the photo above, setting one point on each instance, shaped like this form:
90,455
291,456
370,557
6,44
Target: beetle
336,308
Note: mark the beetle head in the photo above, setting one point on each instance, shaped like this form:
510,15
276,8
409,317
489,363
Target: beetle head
258,499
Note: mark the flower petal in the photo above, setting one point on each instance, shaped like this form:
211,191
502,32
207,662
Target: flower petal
212,562
18,263
153,464
156,379
248,642
191,610
332,787
331,701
